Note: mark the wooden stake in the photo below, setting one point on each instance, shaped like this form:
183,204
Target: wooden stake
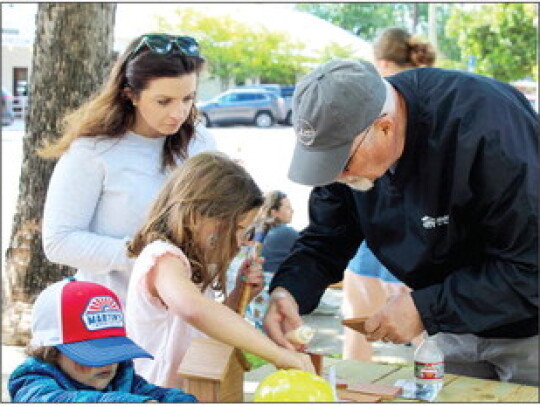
254,252
355,323
317,360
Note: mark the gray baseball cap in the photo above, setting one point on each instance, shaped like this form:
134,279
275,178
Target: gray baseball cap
331,106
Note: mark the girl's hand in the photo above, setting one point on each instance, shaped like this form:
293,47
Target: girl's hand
251,272
290,359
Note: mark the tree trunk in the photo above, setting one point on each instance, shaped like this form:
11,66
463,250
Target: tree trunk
71,57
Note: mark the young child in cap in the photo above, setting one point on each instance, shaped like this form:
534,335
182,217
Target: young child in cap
79,351
191,233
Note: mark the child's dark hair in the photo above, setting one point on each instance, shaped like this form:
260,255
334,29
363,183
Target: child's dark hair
48,354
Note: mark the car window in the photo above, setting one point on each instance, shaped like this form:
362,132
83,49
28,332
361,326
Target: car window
287,91
246,97
231,97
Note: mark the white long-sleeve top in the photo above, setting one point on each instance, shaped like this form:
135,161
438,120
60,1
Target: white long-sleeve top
98,197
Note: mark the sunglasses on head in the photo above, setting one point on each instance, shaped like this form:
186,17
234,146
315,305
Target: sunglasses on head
164,44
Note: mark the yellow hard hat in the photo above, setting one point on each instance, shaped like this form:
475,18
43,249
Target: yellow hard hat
293,385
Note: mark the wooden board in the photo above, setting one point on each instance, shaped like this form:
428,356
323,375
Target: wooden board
470,389
523,393
355,323
356,371
317,360
456,388
344,394
384,391
341,383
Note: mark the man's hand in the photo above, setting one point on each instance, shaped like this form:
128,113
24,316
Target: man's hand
398,321
281,317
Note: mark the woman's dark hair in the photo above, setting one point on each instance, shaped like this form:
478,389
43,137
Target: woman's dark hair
265,220
397,45
111,113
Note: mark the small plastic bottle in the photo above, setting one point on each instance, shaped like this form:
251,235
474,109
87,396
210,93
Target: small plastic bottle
428,368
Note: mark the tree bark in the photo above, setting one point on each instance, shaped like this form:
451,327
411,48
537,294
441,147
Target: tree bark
71,57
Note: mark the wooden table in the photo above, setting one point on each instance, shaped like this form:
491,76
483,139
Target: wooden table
456,388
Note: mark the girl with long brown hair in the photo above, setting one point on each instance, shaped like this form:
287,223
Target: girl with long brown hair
115,153
191,234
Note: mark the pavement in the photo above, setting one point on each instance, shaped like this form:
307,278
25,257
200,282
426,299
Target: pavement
326,319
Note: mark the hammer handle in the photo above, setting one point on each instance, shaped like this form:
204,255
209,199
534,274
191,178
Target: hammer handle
246,288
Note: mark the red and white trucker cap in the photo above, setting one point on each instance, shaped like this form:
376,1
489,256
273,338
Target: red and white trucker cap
83,320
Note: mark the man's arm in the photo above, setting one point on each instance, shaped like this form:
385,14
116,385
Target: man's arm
321,253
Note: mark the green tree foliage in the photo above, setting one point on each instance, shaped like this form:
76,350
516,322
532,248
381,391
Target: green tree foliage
366,20
236,51
503,38
335,50
361,19
449,53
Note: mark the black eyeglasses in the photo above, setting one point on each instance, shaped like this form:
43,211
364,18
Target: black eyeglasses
366,132
165,43
348,163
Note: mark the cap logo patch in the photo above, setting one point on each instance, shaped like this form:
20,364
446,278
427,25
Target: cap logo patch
305,132
103,312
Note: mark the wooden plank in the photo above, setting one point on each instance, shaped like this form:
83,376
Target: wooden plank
344,394
384,391
456,388
355,323
407,372
356,371
524,393
341,383
317,361
470,389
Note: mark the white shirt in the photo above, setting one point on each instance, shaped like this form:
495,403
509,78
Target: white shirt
97,199
150,325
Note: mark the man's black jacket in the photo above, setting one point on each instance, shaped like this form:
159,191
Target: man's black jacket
458,219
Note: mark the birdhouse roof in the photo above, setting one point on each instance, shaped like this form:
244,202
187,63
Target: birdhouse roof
209,359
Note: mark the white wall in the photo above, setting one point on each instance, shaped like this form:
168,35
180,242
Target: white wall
14,57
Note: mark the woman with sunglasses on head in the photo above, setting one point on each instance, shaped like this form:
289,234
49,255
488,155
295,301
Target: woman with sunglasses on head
116,151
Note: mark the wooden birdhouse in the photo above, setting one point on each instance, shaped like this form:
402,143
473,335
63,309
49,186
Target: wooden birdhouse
213,371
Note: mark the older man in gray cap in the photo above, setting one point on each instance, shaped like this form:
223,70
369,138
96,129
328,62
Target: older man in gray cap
438,171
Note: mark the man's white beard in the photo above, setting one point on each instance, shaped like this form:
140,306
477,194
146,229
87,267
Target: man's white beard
357,183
